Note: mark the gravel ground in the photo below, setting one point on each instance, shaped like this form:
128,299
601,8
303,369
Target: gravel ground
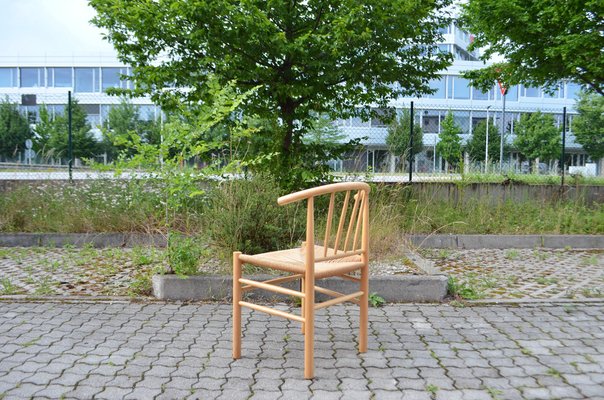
523,273
48,271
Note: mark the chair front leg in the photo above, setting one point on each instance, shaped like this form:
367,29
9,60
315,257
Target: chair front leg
364,308
309,326
236,306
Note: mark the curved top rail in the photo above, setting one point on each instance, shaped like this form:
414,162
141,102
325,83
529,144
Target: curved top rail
317,191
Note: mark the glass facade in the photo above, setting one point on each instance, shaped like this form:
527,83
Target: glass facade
530,91
60,77
111,78
86,80
459,88
480,95
8,77
32,77
440,87
572,90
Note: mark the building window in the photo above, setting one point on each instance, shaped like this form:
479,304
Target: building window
111,77
60,77
459,88
530,91
512,94
439,86
32,77
86,80
430,123
379,119
572,90
8,77
477,94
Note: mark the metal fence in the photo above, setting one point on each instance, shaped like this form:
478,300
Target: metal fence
49,157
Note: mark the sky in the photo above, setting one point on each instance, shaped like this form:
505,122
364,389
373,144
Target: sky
49,27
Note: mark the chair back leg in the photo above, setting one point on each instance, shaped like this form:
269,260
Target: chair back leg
309,327
236,306
364,309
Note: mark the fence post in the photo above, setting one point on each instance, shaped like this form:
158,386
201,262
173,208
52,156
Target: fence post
411,145
562,155
502,139
69,137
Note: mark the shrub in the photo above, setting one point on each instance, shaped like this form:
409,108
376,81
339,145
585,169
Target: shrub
243,215
185,254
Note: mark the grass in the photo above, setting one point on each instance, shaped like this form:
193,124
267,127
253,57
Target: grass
7,287
109,206
243,215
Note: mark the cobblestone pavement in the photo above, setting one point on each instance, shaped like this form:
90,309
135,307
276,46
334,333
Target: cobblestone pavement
71,271
112,271
176,351
525,273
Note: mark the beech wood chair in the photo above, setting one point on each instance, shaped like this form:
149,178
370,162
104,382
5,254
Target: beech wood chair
312,262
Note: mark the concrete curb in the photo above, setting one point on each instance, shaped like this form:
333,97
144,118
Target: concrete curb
424,241
98,240
507,241
393,288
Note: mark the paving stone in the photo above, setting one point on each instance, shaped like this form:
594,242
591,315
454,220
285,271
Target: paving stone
490,353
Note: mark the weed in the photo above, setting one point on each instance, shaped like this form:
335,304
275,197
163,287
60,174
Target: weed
512,254
457,304
494,393
31,342
594,293
526,351
432,389
8,287
589,358
141,284
553,372
184,254
375,300
465,290
381,348
140,257
546,281
444,253
45,287
591,260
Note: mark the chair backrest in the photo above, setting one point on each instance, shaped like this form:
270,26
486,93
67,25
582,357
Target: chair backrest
351,227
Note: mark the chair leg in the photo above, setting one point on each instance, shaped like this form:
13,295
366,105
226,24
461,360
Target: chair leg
364,306
302,304
236,306
309,327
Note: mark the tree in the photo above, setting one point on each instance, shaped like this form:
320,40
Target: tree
537,137
122,120
542,41
305,57
14,130
398,137
323,142
449,146
588,126
55,133
477,143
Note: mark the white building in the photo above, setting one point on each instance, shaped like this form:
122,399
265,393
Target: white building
32,81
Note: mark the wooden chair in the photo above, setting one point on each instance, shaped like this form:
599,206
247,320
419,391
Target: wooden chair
314,261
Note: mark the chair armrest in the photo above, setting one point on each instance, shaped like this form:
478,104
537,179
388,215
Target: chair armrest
334,187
